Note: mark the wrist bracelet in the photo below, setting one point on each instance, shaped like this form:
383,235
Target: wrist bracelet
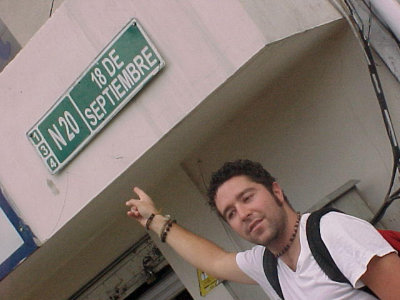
167,219
149,221
166,228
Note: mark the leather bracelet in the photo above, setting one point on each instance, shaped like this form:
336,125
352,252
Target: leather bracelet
166,228
149,221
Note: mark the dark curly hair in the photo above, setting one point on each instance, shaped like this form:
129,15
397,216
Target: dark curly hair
253,170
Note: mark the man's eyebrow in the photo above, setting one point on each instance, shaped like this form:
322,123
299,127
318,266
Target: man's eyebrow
246,190
237,197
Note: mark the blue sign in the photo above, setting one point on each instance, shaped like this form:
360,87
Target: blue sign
9,46
16,239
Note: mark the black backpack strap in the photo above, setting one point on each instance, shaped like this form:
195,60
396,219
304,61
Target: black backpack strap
270,264
318,248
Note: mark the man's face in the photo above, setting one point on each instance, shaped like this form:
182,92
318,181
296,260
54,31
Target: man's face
251,210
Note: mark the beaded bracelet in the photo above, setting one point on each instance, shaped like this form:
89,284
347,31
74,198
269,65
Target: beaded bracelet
166,228
149,221
167,218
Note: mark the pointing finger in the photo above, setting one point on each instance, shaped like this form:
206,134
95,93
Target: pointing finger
140,193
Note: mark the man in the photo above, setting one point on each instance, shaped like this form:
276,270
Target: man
254,205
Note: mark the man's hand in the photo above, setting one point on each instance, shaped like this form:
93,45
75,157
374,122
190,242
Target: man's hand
142,208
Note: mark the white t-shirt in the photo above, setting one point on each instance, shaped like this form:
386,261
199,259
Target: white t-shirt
352,243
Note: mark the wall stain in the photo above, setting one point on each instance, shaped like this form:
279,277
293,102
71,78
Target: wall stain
52,187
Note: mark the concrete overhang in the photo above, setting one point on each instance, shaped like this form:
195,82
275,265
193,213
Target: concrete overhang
101,231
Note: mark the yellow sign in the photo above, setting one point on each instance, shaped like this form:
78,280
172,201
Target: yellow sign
206,282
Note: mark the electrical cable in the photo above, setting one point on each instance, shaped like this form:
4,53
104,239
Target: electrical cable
387,200
358,29
51,8
372,13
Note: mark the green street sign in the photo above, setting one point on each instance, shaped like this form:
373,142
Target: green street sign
117,74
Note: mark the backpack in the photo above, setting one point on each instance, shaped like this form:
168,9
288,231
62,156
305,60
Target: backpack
320,252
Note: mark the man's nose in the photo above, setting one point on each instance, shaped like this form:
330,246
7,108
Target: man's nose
243,212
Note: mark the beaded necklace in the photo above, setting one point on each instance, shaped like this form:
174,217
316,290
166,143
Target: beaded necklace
286,248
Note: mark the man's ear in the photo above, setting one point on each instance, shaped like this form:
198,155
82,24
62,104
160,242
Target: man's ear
278,192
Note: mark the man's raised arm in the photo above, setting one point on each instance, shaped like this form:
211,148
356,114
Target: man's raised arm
196,250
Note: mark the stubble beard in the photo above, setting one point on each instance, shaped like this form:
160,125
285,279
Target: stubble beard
276,228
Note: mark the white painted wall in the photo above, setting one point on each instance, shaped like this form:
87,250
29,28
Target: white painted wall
316,127
203,44
24,17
